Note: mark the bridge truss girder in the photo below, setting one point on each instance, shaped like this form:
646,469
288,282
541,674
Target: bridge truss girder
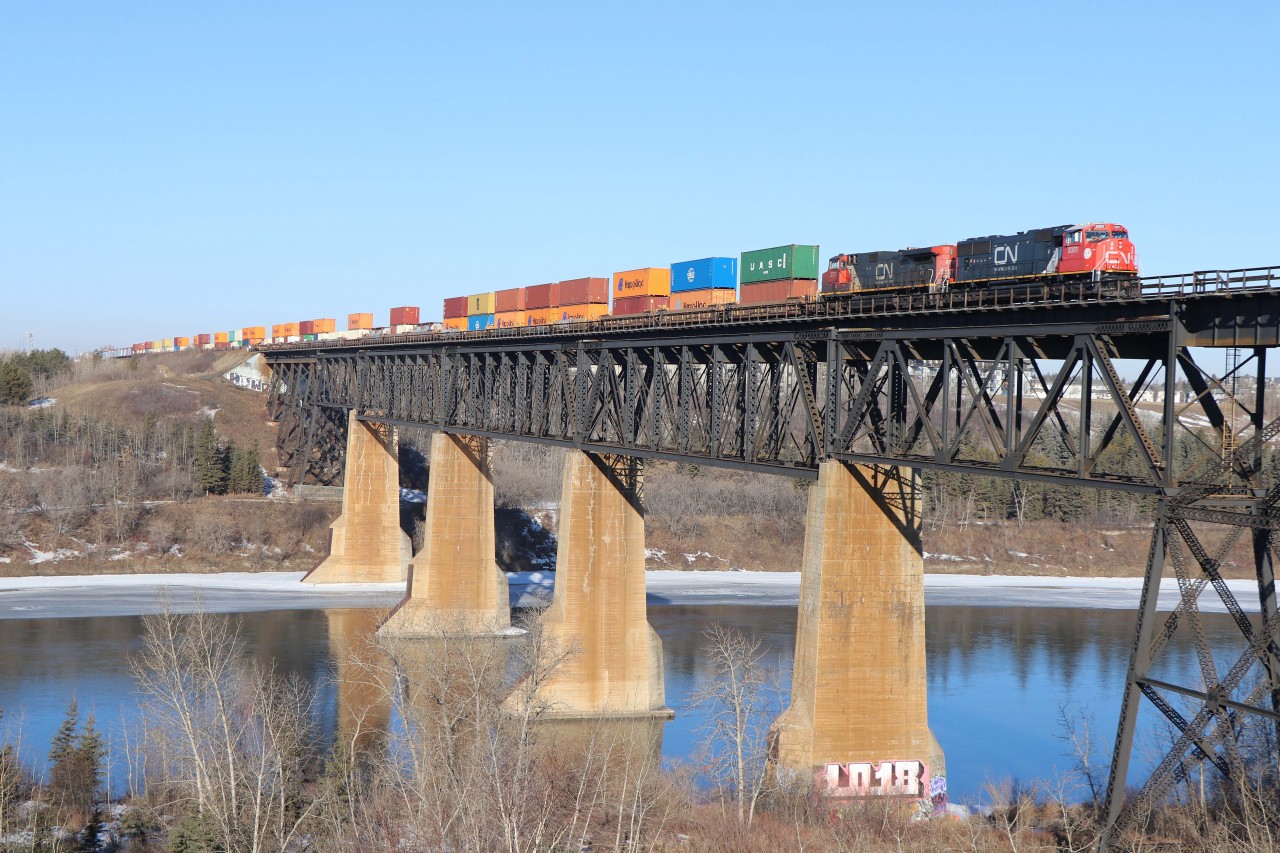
1030,404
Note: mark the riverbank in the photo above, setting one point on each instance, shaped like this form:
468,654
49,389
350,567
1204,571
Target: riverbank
235,592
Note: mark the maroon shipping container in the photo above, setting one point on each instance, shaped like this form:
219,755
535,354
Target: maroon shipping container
584,291
509,300
541,296
454,307
222,344
628,305
307,327
407,316
204,339
785,290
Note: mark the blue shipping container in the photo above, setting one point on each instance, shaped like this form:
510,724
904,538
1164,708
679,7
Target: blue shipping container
479,322
704,274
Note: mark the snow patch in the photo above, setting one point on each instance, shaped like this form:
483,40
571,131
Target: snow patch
412,496
38,556
209,411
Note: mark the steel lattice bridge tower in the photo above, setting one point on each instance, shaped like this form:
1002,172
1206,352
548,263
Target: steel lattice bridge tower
1018,383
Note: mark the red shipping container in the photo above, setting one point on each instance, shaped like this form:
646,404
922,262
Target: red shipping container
541,296
407,316
629,305
508,300
204,339
783,290
307,327
584,291
455,306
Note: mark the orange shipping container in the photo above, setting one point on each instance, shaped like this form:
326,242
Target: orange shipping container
541,316
456,324
578,313
359,321
254,334
327,324
221,337
182,342
651,281
703,298
510,319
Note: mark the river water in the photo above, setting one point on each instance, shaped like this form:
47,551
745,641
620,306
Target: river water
997,675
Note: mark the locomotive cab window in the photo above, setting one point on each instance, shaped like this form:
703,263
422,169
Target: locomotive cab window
1095,236
1071,238
1120,235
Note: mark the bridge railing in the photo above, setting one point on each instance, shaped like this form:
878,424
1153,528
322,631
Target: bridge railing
1211,281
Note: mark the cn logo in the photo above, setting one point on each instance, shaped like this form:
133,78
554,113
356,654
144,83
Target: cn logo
864,779
1006,255
884,272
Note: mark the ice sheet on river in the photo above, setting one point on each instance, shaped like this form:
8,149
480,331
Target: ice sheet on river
125,595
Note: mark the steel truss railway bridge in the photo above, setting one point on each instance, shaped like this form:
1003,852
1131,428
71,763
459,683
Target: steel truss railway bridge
858,394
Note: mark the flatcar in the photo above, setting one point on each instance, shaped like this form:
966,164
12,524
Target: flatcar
1096,253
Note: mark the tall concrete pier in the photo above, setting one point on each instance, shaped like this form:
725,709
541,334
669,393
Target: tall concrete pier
366,544
858,690
608,659
456,587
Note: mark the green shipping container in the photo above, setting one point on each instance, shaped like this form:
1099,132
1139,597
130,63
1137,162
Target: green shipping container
778,263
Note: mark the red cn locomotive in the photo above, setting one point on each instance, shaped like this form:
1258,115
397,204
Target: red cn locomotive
1095,252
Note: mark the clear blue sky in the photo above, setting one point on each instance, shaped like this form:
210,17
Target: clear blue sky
171,168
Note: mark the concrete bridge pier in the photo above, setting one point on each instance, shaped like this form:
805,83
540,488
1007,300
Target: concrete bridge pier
455,587
858,694
599,655
366,544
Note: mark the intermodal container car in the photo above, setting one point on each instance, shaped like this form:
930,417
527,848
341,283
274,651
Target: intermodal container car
704,274
779,263
649,281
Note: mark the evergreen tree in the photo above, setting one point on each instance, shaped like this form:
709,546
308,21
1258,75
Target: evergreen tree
209,461
64,740
91,749
90,836
15,383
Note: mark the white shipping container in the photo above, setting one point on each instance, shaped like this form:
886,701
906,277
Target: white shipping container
328,336
403,329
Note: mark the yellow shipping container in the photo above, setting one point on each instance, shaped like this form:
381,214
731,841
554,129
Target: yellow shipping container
359,321
650,281
157,345
578,313
703,298
456,324
480,303
167,343
510,319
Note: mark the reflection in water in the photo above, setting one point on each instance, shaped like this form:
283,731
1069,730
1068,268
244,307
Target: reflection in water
363,678
996,675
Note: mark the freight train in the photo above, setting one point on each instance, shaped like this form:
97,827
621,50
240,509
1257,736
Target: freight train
1096,256
1098,253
